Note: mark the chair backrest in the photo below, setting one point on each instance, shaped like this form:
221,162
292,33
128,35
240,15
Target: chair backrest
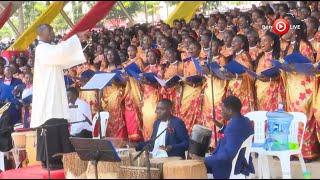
104,121
246,144
259,118
298,118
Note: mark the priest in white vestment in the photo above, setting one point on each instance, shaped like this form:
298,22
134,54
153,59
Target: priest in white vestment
49,103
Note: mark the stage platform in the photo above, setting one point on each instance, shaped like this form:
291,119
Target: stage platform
32,172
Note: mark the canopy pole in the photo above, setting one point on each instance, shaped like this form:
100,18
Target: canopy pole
145,11
13,27
125,11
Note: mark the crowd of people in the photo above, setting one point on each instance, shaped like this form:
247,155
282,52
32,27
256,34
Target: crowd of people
183,50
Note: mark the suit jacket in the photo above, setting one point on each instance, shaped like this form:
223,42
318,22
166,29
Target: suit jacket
220,162
176,136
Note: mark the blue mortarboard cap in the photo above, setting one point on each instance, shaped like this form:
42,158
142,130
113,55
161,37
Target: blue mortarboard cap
296,57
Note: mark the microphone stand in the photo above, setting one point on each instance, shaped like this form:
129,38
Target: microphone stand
209,59
44,133
146,149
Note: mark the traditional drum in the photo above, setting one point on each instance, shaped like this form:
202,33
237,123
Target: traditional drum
107,170
158,163
200,140
134,172
19,139
31,148
74,167
184,169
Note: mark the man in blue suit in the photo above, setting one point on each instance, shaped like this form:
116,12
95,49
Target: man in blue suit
174,141
235,133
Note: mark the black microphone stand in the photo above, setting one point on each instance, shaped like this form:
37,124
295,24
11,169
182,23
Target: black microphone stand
146,149
209,59
44,133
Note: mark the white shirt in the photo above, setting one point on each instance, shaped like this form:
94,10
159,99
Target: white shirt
49,91
83,109
161,141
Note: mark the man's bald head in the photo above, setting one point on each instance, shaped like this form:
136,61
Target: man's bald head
45,33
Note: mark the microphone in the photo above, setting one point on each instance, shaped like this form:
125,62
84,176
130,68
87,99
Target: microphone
87,120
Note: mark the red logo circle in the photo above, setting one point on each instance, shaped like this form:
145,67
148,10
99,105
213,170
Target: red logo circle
280,26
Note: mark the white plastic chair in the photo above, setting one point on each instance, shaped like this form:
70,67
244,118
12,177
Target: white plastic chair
246,144
259,118
104,122
2,167
284,155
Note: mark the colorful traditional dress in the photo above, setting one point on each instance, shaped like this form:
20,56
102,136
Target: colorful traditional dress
219,89
112,103
132,104
243,87
190,111
268,94
173,93
151,96
300,96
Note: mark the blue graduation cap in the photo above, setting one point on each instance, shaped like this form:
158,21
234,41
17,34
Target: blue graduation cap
173,80
87,74
68,81
235,68
296,57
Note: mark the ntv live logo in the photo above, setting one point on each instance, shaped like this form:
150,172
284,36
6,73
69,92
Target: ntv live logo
280,27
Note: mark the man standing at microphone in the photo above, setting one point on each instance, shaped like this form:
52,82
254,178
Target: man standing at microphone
50,103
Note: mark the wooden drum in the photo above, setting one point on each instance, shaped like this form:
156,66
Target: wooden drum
74,167
134,172
158,163
31,148
184,169
19,139
107,170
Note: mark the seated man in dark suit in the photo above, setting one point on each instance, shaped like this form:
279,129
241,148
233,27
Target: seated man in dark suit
175,140
235,133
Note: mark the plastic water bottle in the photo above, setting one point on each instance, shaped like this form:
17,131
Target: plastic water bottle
280,107
278,128
306,175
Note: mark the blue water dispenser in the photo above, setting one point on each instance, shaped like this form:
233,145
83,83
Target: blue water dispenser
278,129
